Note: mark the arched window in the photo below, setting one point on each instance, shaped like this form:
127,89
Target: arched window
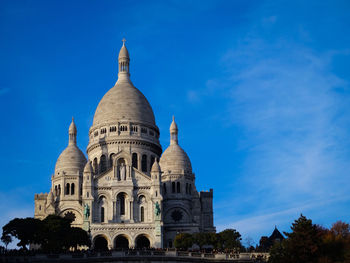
59,189
81,190
56,190
111,160
102,214
173,187
190,189
178,187
67,189
164,188
142,214
144,163
103,163
186,188
152,161
134,160
95,166
121,201
72,189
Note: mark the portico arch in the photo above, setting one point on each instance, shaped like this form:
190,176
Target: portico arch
100,243
121,242
142,241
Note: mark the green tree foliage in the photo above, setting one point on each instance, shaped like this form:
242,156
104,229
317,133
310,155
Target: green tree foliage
26,230
183,241
229,239
54,233
311,243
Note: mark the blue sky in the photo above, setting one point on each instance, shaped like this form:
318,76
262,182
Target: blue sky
260,91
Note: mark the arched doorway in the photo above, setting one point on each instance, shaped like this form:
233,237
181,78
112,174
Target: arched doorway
100,243
142,242
121,242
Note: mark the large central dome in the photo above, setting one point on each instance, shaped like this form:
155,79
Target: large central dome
123,101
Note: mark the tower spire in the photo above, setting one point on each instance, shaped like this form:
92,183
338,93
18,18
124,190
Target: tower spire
72,131
124,61
173,132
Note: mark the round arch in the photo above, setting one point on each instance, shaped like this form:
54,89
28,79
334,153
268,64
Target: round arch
100,243
121,242
142,241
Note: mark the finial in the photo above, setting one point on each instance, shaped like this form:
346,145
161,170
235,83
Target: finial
72,118
124,40
173,118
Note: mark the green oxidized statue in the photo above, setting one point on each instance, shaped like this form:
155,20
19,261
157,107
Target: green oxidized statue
86,211
157,209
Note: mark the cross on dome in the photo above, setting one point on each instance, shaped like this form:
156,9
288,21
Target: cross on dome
124,40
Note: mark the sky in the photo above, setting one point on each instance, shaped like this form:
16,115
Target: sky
259,89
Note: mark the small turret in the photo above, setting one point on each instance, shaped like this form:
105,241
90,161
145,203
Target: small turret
72,131
173,132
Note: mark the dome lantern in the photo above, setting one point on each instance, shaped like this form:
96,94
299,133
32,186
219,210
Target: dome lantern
72,131
124,61
173,132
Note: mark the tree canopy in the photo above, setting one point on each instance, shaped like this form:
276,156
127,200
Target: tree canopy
311,243
54,233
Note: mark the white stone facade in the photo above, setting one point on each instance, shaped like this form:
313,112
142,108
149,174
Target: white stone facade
136,196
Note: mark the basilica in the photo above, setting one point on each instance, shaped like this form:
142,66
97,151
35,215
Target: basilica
127,193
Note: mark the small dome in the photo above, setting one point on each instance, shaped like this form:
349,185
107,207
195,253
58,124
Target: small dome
88,167
70,160
175,159
124,102
155,167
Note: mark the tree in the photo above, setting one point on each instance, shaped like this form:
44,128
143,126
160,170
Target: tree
183,241
79,237
26,230
229,239
6,239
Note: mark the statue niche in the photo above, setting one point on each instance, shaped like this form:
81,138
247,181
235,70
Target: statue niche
121,170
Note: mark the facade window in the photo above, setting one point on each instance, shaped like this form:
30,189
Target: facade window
144,163
134,160
111,160
152,161
103,163
102,214
190,189
39,207
123,128
178,187
67,189
103,130
143,130
95,166
87,194
134,128
113,129
142,214
56,193
121,201
164,188
151,132
96,133
186,188
173,187
72,189
59,189
81,190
